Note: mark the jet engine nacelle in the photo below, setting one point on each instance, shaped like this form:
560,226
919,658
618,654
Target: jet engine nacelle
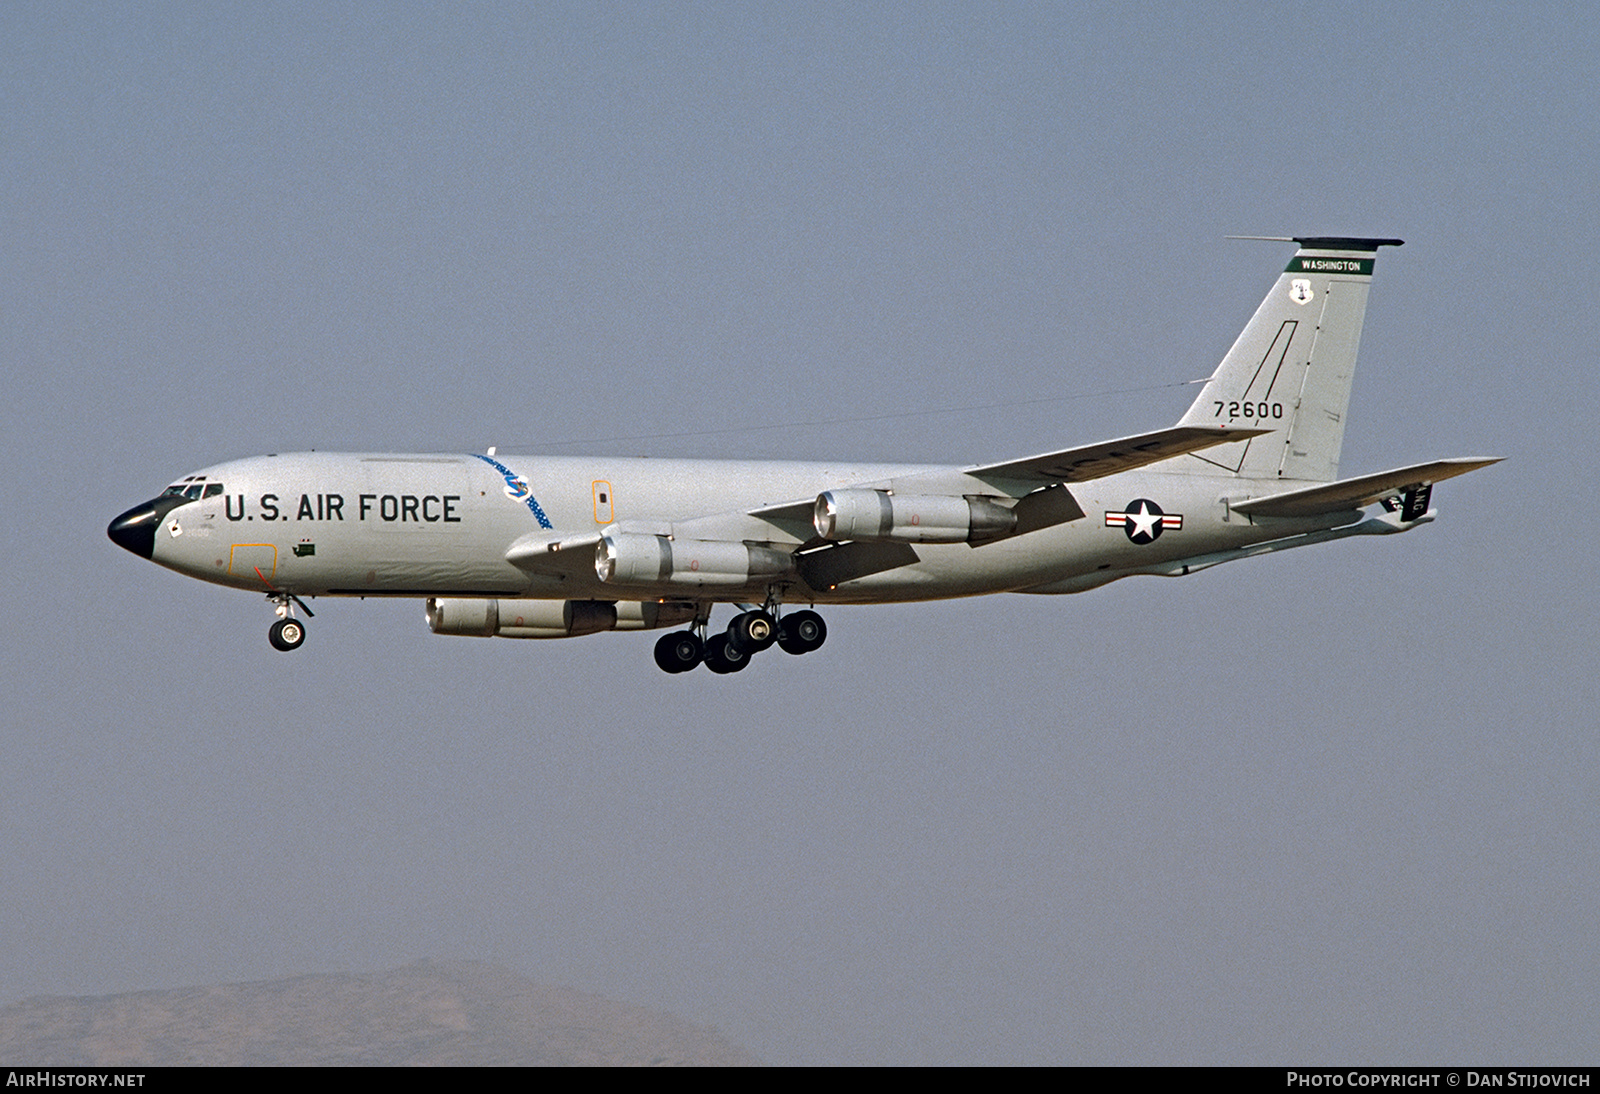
634,558
549,618
910,518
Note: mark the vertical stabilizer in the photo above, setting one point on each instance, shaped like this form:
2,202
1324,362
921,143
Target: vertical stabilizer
1290,369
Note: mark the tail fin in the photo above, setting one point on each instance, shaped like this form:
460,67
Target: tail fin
1291,368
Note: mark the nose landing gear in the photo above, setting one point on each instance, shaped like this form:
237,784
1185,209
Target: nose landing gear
288,633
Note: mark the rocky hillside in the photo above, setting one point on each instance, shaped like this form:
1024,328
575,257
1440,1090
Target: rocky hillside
429,1013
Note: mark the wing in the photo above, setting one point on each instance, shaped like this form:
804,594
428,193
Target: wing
1096,461
1037,481
1356,493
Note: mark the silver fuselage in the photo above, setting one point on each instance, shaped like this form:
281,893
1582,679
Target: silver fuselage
350,524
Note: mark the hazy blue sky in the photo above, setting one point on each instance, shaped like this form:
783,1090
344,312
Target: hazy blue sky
1338,805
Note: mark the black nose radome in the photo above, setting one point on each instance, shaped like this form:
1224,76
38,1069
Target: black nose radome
135,530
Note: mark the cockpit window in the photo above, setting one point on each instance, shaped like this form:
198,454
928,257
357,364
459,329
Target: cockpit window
193,488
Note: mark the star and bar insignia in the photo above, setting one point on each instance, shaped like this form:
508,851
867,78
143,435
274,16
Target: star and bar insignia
1144,521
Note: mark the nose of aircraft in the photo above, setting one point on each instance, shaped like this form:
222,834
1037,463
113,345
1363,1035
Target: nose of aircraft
135,530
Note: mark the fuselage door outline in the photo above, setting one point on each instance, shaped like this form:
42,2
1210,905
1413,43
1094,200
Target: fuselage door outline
253,560
602,492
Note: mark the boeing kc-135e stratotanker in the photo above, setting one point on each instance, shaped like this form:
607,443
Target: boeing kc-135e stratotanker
558,547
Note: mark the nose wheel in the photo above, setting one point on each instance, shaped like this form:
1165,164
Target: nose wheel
286,635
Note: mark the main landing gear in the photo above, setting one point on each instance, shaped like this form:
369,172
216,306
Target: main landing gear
288,633
748,634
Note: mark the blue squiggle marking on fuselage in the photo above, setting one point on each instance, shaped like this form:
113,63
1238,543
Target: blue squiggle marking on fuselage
517,489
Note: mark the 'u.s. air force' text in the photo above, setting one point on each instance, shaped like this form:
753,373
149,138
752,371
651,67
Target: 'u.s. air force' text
392,508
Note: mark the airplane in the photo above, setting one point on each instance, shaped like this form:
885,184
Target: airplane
560,547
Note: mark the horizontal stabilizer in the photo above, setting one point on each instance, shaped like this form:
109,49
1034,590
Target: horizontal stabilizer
1096,461
1358,492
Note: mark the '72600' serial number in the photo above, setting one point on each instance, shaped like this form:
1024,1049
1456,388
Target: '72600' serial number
1252,411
